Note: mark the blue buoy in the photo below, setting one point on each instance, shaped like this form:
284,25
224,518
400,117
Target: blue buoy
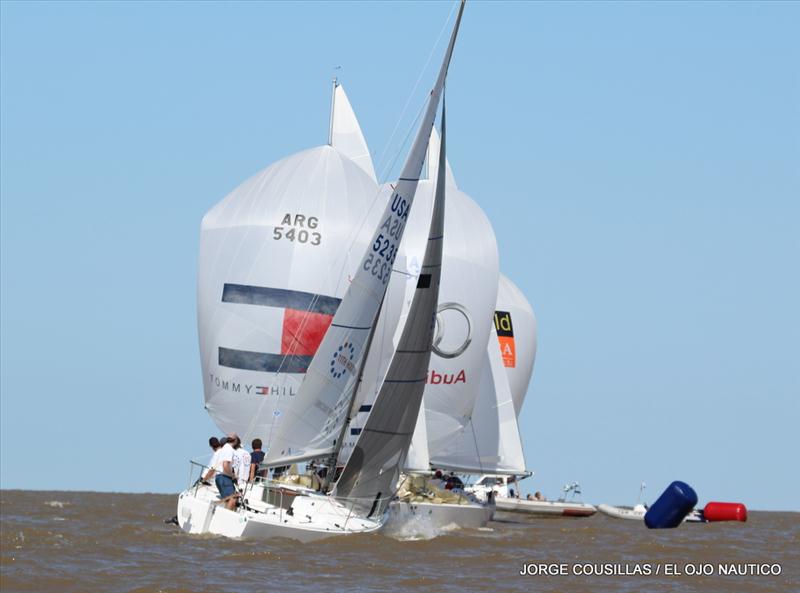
672,506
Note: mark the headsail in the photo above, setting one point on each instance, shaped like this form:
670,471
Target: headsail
371,473
418,459
314,424
345,133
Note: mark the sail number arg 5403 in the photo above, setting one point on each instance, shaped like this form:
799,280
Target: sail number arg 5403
298,228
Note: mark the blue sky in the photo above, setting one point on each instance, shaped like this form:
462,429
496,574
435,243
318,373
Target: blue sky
640,164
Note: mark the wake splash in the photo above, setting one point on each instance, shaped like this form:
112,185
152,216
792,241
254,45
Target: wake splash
406,525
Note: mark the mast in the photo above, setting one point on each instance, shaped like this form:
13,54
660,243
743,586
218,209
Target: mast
370,476
333,110
312,423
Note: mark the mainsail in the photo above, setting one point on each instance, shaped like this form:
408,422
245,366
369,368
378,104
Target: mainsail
371,473
314,424
418,459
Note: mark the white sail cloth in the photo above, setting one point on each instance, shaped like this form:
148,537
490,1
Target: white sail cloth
419,458
275,258
314,424
490,443
346,135
467,297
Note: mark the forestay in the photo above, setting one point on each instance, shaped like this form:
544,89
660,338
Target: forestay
314,424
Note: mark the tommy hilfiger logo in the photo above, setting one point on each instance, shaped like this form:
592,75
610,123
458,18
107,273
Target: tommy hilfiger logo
250,389
306,318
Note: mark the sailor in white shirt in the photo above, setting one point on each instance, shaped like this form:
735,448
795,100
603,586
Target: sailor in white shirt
241,463
213,442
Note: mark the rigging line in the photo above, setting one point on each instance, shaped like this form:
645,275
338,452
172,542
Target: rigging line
414,90
382,170
392,164
475,440
378,193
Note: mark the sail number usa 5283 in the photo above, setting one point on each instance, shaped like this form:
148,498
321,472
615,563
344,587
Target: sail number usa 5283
384,250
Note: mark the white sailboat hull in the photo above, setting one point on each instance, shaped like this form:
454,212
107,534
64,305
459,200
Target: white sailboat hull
309,517
545,508
403,517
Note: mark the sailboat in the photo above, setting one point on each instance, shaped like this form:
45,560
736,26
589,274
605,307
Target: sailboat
494,431
464,316
309,423
462,436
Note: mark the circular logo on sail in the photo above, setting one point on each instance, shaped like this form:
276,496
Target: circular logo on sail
343,360
453,330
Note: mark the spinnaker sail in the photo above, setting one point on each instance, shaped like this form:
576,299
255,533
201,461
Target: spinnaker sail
275,258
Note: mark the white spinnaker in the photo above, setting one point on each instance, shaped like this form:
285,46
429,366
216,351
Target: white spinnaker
313,425
519,350
346,135
490,443
275,258
466,300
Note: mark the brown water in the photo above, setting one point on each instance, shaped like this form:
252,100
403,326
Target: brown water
69,541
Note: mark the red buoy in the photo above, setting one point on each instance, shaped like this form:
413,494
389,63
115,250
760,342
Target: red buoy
725,511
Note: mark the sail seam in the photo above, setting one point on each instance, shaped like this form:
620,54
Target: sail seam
406,380
350,326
